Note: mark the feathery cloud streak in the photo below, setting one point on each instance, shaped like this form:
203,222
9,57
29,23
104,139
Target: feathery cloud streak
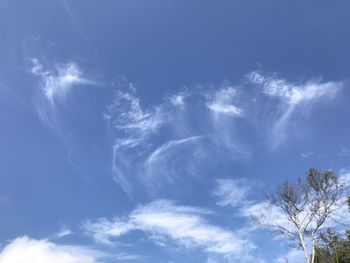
292,96
165,222
156,145
57,84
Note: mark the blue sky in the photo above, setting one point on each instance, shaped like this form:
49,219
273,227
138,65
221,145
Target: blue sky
148,131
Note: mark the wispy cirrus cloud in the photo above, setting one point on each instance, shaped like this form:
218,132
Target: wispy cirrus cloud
293,93
24,248
126,115
53,100
161,144
171,154
56,84
292,96
132,127
54,87
165,222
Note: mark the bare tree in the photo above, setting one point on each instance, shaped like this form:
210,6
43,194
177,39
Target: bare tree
303,210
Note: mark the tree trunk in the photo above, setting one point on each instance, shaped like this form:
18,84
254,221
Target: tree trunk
302,243
313,250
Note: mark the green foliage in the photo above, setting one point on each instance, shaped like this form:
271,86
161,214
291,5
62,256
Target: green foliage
335,248
319,180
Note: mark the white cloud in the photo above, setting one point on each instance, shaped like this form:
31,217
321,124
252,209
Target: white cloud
232,192
222,103
165,222
24,249
58,83
292,96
